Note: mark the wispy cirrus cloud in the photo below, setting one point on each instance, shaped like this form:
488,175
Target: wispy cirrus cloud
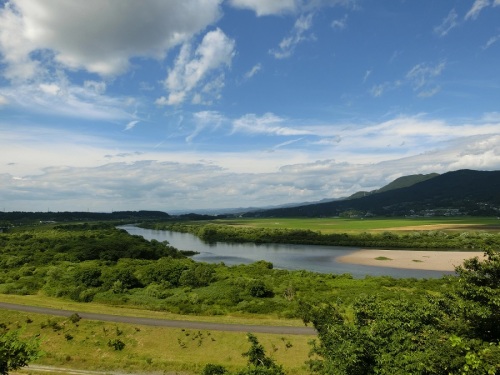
255,69
476,8
269,123
340,23
421,77
297,35
448,23
64,99
491,41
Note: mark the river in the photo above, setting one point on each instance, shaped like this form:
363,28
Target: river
290,257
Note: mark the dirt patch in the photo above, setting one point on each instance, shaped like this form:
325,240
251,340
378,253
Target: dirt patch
411,259
428,227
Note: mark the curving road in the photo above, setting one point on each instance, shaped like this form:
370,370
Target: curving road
163,322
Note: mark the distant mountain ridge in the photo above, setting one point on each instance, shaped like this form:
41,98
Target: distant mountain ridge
462,192
398,183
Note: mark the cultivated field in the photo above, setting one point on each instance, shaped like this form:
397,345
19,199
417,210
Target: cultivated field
341,225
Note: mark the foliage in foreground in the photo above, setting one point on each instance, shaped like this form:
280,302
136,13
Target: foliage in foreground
14,351
456,333
258,362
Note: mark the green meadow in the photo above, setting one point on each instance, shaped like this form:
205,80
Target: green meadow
343,225
88,345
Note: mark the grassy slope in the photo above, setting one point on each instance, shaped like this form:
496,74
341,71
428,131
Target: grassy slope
147,349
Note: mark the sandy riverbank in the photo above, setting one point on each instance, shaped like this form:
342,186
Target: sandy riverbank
410,259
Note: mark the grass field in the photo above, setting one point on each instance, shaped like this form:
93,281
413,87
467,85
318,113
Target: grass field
84,345
342,225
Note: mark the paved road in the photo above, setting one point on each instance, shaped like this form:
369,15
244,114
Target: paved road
164,322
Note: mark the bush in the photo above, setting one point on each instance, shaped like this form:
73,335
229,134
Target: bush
211,369
116,344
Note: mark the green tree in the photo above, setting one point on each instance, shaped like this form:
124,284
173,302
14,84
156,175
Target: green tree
456,333
258,362
15,352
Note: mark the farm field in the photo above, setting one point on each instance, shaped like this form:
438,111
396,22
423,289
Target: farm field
343,225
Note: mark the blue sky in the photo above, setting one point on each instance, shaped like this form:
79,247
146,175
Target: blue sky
183,105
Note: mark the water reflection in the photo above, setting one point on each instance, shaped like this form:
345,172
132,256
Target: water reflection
291,257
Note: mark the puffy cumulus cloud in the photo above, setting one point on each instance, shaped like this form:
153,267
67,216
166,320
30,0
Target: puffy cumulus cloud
45,167
94,35
266,7
193,69
169,185
297,35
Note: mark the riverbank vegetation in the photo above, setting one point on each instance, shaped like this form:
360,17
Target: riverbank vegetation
101,263
365,326
373,233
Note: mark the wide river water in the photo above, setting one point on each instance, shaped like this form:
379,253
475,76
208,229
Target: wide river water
290,257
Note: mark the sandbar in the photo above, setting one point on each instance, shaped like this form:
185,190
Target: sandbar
410,259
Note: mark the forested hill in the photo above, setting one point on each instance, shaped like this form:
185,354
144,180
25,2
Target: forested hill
20,217
463,192
398,183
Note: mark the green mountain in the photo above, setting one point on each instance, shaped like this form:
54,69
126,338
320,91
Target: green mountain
463,192
398,183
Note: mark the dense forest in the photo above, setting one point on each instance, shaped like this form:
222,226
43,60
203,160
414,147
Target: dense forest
376,325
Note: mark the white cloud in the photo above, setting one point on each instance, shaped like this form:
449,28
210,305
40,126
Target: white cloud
100,37
298,35
477,7
62,99
421,74
491,41
420,77
340,24
97,87
131,124
287,45
205,120
44,167
266,124
3,100
266,7
50,88
191,69
255,69
448,23
367,75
